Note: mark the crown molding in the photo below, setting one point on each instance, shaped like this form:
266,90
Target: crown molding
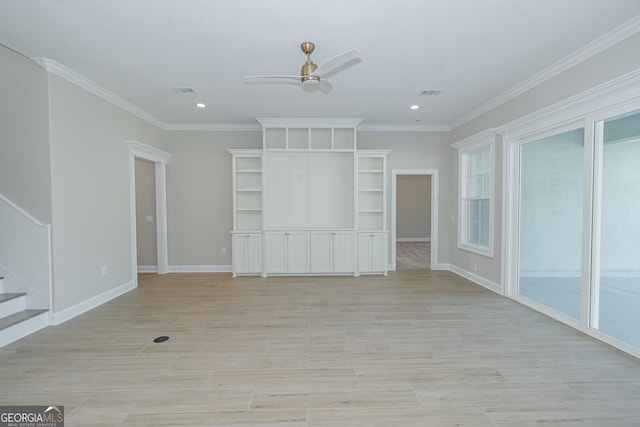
479,139
86,84
214,127
404,128
616,92
309,122
600,44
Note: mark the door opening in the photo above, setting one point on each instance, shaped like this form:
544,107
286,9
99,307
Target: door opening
414,219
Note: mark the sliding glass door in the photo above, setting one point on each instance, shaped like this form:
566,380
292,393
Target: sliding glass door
578,225
550,223
615,288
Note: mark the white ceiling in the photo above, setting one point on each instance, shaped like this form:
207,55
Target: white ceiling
477,52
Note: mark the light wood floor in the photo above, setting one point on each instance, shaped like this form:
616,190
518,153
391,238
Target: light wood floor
416,348
413,255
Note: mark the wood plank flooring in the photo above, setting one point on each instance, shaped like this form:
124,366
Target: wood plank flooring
413,255
416,348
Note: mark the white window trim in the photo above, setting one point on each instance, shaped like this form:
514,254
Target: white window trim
467,147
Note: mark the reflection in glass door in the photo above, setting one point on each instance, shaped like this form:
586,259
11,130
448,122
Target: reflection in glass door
615,288
550,223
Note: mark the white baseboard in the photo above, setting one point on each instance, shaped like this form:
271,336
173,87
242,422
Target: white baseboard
486,283
200,269
413,239
84,306
147,269
441,266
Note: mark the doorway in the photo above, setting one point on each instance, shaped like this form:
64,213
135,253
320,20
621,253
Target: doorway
159,159
414,219
146,239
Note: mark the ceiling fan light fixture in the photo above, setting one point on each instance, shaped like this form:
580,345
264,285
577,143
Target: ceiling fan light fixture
310,80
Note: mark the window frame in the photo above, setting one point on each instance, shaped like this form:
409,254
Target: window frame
466,150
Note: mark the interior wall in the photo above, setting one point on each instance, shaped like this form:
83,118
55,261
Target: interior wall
199,196
418,150
413,209
146,239
25,169
616,61
605,66
91,203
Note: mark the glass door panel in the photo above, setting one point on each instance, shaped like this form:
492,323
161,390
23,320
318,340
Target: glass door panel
550,222
616,284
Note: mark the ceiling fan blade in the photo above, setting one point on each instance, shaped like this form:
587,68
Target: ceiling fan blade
323,86
273,77
337,61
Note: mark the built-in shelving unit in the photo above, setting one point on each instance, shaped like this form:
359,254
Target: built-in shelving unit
309,202
371,190
247,185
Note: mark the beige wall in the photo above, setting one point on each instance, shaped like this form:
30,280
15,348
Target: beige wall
146,241
25,171
413,207
91,205
418,150
199,195
608,65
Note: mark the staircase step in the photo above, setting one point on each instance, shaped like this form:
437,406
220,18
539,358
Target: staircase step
8,297
11,303
21,316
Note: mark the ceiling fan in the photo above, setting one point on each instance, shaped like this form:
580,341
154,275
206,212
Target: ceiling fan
312,74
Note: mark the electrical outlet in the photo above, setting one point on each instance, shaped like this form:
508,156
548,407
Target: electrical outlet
475,267
223,250
149,218
104,270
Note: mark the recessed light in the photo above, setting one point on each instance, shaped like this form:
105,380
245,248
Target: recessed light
200,105
414,107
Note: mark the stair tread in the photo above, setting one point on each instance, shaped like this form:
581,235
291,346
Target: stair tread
10,296
20,316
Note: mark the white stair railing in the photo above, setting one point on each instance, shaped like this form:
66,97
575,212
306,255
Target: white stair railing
25,255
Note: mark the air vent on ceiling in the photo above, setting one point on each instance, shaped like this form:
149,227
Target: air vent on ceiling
183,90
431,92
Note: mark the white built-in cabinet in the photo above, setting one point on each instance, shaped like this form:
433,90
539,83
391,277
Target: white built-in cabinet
372,252
332,251
308,199
246,253
287,252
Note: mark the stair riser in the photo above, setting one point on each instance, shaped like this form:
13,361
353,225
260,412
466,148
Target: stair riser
12,306
22,329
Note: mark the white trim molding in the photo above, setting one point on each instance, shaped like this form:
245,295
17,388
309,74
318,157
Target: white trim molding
86,84
435,198
482,141
624,89
91,303
200,269
160,158
602,43
486,283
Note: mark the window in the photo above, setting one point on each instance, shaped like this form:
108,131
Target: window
476,166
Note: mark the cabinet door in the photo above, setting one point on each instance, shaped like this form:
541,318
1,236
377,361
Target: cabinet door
379,252
364,252
372,252
298,257
276,252
321,252
343,252
246,253
239,259
254,253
